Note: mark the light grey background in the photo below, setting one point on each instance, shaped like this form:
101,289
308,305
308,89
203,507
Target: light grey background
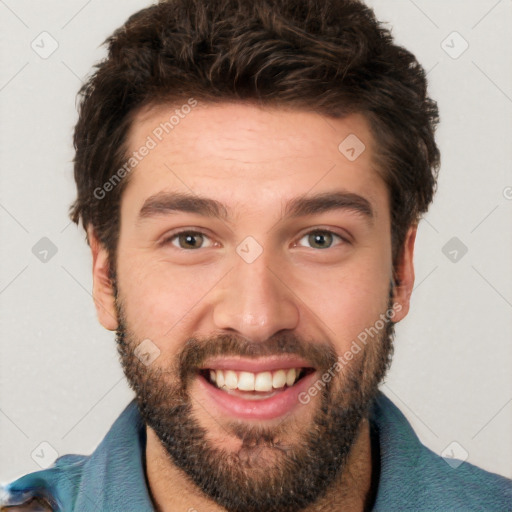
60,380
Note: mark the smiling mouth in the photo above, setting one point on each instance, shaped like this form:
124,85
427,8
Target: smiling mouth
255,385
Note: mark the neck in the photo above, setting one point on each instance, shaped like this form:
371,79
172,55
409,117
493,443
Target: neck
171,489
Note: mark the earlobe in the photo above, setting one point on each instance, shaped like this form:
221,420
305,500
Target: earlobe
404,275
103,289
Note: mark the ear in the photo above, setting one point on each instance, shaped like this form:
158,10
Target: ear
404,275
102,289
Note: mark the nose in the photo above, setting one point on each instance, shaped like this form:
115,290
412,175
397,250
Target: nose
255,301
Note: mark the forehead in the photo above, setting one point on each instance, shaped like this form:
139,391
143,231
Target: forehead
241,153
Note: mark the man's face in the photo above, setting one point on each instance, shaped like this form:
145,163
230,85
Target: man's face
259,292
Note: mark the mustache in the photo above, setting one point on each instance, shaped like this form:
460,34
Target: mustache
197,351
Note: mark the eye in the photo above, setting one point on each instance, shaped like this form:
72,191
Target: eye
321,239
188,240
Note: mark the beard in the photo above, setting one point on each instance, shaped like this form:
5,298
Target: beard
282,468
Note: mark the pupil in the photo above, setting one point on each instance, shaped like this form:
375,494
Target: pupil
190,240
321,239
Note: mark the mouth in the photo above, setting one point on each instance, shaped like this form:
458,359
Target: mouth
255,386
255,389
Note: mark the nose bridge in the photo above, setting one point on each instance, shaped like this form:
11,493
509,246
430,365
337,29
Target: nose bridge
254,301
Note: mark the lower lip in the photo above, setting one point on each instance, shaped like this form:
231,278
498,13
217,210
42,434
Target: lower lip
283,402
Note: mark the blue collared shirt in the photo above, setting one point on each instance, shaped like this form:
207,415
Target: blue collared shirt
113,479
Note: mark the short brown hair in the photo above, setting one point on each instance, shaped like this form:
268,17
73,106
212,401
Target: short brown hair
332,57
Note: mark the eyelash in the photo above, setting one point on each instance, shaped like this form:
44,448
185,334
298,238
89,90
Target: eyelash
168,240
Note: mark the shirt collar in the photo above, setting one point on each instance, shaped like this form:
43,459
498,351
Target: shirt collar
114,476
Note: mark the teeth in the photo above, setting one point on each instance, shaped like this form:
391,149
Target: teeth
263,381
279,379
219,378
248,381
230,379
290,377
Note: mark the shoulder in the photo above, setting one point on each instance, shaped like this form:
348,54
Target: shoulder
414,477
110,478
29,505
46,490
463,485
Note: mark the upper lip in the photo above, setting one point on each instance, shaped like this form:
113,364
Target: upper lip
255,365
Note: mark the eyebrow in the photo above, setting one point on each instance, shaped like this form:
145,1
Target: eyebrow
174,202
170,202
328,201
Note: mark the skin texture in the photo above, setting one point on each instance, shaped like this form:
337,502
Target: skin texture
253,161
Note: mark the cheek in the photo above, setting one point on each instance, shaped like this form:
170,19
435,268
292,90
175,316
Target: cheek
349,300
159,299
